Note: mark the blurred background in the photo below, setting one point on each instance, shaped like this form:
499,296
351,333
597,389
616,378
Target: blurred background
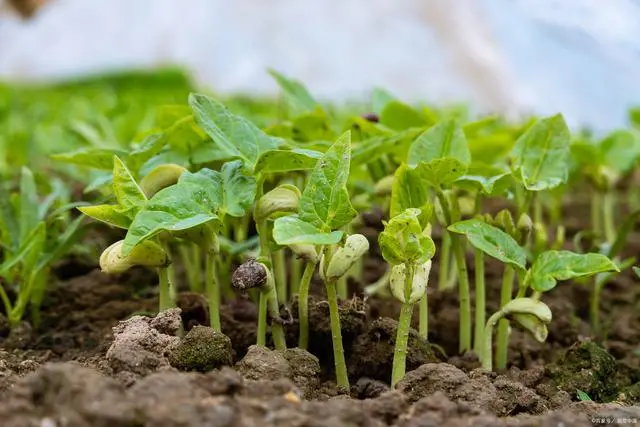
578,57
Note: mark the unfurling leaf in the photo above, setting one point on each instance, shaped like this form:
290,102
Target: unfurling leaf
404,240
409,191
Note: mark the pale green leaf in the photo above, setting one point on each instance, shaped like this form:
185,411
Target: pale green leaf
400,116
96,158
404,241
492,241
441,172
297,97
409,191
114,215
127,191
236,136
551,266
29,203
541,154
443,140
291,230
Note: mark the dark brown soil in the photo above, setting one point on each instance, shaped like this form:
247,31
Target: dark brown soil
71,372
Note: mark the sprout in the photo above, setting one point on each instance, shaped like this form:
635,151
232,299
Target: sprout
147,254
161,177
418,282
531,314
280,201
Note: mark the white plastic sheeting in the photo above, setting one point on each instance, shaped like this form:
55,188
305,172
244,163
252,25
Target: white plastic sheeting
580,57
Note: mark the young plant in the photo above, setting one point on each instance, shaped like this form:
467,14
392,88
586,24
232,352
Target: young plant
34,233
193,209
324,209
542,276
408,249
605,163
441,156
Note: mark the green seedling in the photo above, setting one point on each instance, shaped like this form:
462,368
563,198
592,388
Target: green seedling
408,249
530,314
441,156
35,232
605,163
256,275
542,276
324,209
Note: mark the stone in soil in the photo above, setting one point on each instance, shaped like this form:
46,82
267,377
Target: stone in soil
202,349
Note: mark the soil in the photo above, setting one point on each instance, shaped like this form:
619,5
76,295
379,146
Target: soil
101,357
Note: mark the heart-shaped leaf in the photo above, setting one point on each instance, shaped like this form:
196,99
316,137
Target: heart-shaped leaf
298,159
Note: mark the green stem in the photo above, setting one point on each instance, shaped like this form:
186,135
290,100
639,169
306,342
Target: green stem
423,316
402,340
303,305
262,320
595,308
296,273
404,323
165,289
537,210
596,213
463,292
277,331
506,294
188,263
336,334
5,301
608,216
445,261
342,287
480,302
280,275
212,289
487,360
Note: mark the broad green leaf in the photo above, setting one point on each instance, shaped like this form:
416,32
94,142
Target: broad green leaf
492,241
541,154
28,203
620,151
239,190
206,186
441,172
169,114
291,230
325,200
298,159
492,148
173,209
490,180
404,241
408,191
297,97
96,158
114,215
475,127
400,116
127,191
443,140
235,135
551,266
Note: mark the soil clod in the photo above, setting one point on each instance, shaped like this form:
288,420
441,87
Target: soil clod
202,349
